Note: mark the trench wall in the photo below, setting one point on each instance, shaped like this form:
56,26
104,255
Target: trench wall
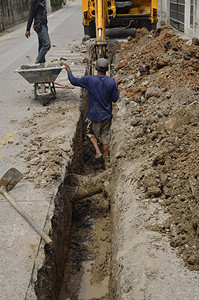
50,276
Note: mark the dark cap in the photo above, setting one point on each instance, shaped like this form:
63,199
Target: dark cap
102,65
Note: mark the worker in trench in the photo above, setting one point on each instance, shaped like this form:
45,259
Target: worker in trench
38,13
103,90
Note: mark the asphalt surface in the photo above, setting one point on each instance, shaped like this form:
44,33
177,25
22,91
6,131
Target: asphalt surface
19,242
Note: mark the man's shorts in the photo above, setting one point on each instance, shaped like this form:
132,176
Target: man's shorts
101,130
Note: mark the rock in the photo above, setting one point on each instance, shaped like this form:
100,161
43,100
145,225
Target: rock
85,38
34,161
195,41
122,64
152,92
192,259
144,83
129,38
154,191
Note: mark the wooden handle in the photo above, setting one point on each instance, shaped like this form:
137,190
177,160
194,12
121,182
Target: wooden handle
25,216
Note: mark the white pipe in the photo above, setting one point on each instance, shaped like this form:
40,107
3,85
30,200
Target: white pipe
100,32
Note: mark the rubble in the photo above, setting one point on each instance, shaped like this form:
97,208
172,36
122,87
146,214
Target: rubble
48,64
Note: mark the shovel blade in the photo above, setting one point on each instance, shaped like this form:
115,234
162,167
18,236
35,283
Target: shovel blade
10,179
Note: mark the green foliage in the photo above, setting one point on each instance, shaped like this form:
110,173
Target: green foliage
56,2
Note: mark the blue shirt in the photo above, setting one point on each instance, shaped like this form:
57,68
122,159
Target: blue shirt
102,92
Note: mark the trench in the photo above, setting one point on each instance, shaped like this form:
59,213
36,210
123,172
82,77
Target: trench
77,265
88,250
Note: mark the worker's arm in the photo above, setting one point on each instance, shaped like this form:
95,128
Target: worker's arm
27,34
82,82
67,67
32,11
115,93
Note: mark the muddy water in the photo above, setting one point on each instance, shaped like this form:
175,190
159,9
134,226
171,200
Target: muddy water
87,268
87,290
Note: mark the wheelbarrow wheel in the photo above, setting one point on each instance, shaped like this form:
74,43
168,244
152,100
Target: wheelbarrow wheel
44,101
53,91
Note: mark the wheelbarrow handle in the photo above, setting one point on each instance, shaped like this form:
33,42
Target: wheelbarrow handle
25,216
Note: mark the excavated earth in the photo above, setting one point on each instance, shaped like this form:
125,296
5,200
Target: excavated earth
162,121
141,231
155,165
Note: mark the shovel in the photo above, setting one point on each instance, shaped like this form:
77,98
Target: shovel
7,183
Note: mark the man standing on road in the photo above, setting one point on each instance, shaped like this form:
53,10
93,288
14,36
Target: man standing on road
102,92
38,13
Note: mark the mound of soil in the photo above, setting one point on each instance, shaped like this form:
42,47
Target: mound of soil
159,73
48,147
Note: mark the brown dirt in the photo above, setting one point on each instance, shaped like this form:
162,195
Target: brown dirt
159,73
47,147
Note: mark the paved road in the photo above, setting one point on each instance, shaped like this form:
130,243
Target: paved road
64,27
18,241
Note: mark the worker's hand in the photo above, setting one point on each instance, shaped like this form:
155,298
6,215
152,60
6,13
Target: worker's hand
27,34
118,81
67,67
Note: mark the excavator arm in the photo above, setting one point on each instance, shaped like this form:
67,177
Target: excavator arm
96,17
100,14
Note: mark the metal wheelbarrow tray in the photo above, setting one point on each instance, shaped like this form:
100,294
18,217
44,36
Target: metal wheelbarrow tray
42,77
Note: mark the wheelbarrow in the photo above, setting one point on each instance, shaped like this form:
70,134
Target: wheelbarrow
43,78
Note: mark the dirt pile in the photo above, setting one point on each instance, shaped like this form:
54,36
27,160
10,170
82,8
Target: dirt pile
48,147
159,88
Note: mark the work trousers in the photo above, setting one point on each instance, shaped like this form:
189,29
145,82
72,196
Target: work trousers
44,43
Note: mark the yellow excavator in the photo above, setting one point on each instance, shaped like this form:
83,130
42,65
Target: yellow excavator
101,14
